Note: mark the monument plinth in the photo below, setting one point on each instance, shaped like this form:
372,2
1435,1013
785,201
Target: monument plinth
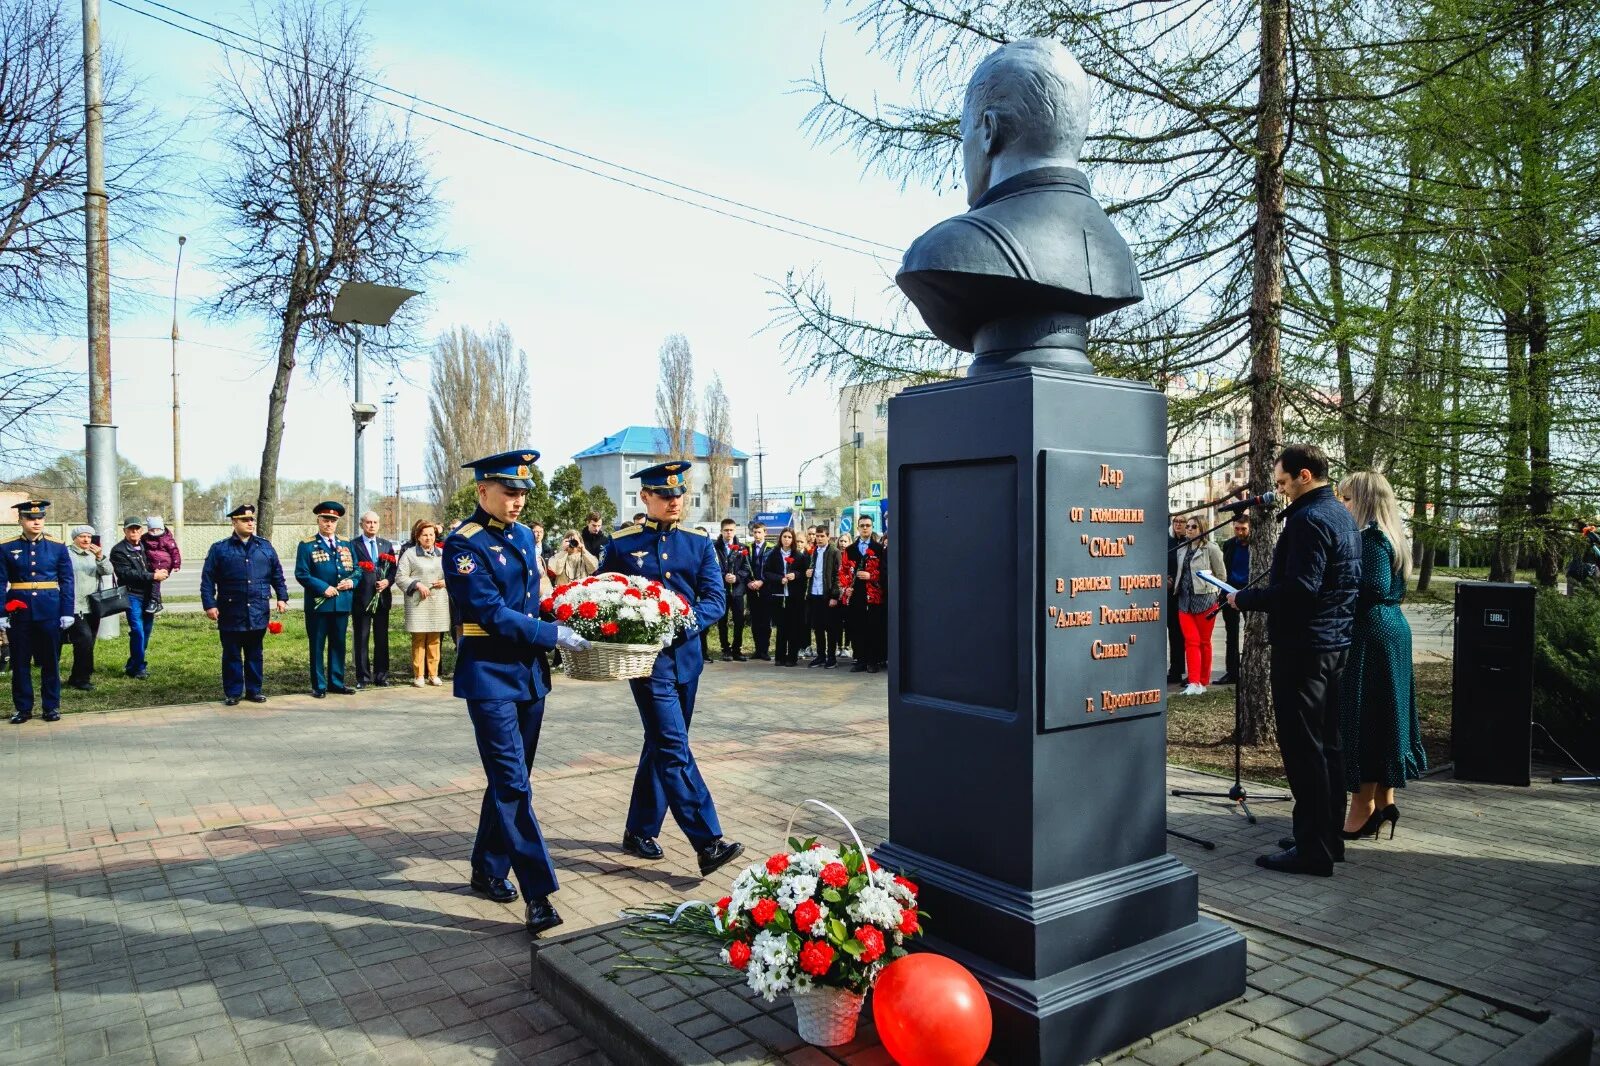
1027,727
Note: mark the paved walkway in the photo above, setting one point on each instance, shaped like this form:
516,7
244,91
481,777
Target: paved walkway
285,883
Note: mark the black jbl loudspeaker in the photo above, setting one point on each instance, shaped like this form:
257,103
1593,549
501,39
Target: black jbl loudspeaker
1492,699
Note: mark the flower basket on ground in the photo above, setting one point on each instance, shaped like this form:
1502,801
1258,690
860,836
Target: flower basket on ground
627,621
820,924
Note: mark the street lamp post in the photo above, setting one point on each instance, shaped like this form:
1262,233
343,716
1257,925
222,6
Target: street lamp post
177,439
361,303
799,478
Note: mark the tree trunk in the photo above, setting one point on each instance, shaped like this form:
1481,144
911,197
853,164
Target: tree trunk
1266,307
1512,507
1541,474
278,399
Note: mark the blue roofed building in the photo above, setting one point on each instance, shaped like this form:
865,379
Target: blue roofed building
611,462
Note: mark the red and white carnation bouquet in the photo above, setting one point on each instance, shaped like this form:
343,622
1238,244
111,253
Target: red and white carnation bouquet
618,609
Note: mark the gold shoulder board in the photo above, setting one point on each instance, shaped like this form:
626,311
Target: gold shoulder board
469,529
626,531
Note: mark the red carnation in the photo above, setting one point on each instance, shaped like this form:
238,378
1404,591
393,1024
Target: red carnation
652,591
815,958
16,605
385,557
777,864
763,911
619,578
368,567
723,904
908,885
908,921
274,628
587,581
560,590
738,954
548,605
666,608
632,594
563,612
806,915
590,610
835,875
871,942
609,629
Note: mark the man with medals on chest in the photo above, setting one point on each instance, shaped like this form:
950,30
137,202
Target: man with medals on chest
491,570
326,569
667,778
36,586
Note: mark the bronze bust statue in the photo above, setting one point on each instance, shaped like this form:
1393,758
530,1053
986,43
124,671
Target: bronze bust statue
1017,278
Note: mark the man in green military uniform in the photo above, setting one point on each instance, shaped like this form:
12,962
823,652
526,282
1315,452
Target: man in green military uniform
326,569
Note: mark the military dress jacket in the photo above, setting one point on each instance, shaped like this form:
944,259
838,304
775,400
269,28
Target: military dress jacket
319,569
686,562
241,579
491,571
39,573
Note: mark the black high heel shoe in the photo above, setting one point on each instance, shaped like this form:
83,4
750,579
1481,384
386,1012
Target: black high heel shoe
1390,814
1369,828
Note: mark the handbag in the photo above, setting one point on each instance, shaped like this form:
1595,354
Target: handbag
104,603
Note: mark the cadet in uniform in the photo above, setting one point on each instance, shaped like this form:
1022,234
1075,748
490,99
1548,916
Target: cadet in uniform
236,585
326,569
491,570
37,573
686,562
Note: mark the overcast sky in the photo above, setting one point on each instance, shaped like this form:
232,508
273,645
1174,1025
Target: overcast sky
589,275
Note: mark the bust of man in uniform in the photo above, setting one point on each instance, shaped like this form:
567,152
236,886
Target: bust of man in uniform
1017,278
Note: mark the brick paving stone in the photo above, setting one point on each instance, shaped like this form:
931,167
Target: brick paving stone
1343,1038
1303,1023
1464,1049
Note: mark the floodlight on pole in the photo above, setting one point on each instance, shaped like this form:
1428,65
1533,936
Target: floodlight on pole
361,303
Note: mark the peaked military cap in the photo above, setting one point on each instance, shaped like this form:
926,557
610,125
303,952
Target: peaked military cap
244,510
669,478
331,508
31,508
513,469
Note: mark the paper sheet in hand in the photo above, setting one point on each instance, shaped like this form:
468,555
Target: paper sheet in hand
1205,575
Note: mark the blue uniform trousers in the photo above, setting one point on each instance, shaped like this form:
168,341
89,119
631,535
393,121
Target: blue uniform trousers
31,643
141,626
241,662
508,832
667,777
326,630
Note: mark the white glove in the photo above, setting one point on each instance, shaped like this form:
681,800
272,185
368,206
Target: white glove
568,640
67,620
5,623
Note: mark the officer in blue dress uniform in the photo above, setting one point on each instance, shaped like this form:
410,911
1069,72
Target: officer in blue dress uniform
491,571
325,568
686,562
36,572
236,585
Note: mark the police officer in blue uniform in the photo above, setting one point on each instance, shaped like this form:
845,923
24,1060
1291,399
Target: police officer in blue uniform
491,571
38,573
236,585
326,568
686,562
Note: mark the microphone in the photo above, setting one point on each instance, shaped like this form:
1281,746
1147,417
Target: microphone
1266,499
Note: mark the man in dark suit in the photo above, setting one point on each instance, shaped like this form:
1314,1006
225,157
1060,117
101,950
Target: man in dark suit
863,572
735,562
822,598
375,569
760,615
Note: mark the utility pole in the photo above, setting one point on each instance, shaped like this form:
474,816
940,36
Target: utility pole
761,483
177,439
855,453
100,441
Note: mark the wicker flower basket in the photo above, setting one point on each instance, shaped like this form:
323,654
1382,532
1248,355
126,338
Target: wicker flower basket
611,662
827,1016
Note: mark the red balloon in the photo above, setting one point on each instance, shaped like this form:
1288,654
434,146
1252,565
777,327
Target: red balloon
930,1011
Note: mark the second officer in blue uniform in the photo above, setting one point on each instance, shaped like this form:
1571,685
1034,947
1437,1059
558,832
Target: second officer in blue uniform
491,571
686,562
326,569
37,573
237,584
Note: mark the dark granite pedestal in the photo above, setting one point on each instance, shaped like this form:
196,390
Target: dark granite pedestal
1027,727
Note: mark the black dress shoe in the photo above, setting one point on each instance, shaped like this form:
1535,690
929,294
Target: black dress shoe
762,658
727,656
256,697
1290,861
719,854
541,915
738,657
381,684
343,691
52,715
858,668
317,694
1288,842
230,701
816,664
642,847
496,888
81,686
1226,679
20,717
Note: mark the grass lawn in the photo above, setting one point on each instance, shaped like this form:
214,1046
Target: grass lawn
1200,728
185,660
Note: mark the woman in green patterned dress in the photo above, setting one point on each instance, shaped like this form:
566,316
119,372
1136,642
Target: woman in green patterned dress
1377,695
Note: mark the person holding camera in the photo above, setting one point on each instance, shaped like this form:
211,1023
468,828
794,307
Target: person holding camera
573,561
89,565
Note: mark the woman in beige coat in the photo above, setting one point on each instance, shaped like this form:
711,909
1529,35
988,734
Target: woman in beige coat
572,560
420,577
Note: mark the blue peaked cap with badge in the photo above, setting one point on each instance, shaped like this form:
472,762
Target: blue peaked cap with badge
513,469
670,478
31,508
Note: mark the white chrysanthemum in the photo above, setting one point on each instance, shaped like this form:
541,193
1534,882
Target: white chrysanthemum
819,928
875,905
795,890
811,862
901,893
771,969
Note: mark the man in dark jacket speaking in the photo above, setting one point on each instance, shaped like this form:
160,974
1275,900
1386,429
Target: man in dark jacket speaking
1310,601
